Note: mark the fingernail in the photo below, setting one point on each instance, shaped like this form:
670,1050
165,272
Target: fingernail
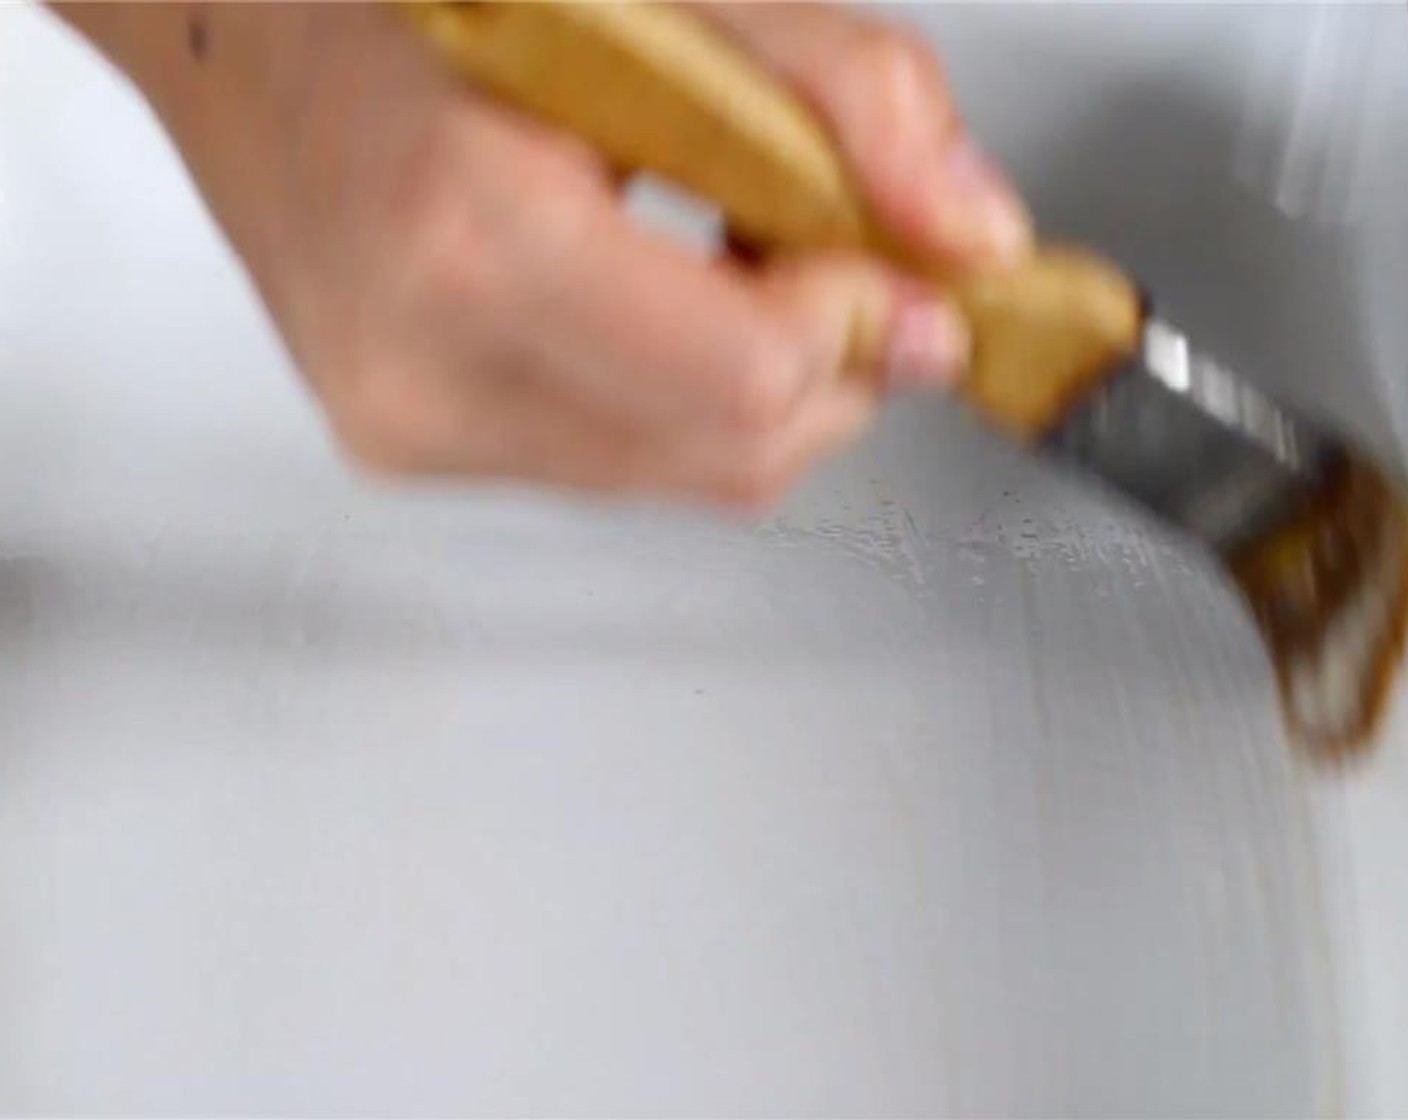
978,210
928,346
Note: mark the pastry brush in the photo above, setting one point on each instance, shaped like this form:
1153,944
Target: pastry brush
1069,355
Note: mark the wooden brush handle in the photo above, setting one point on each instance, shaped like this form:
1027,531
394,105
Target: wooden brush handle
653,89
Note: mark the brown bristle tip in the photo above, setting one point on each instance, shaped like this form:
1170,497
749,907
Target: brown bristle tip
1329,591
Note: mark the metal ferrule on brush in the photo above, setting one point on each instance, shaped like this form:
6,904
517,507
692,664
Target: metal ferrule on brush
1184,437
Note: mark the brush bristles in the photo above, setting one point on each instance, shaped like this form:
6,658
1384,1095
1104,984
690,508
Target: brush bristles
1329,590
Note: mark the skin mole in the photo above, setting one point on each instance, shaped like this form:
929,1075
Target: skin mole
197,34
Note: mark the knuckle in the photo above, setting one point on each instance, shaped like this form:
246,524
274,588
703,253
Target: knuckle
753,495
763,391
491,232
555,212
755,482
376,459
432,223
418,192
371,450
893,56
456,261
380,422
888,69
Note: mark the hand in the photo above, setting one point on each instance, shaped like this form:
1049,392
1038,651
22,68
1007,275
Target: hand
463,292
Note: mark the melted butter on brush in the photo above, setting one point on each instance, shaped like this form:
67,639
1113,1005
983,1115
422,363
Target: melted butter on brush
1329,590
